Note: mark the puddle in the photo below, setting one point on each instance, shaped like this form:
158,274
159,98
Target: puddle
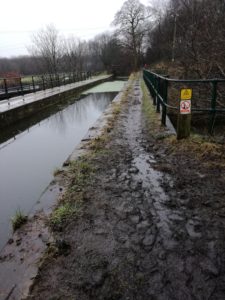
193,229
149,177
151,180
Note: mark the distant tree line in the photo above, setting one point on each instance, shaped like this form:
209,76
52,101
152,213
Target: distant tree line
102,53
186,34
24,65
120,51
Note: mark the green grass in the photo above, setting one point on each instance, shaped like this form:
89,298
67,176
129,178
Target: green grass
80,171
64,212
152,118
28,79
71,204
18,220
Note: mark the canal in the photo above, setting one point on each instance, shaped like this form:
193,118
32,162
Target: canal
29,154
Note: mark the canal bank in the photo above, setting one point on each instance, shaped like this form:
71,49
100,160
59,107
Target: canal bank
23,251
18,108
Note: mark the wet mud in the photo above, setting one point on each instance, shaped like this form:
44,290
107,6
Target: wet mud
152,228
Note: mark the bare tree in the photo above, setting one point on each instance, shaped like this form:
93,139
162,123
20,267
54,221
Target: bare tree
132,22
71,57
47,45
107,53
104,47
82,52
194,30
94,61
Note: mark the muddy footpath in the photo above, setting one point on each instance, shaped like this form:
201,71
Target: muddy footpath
151,223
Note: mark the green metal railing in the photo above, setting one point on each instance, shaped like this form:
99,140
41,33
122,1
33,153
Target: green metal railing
208,95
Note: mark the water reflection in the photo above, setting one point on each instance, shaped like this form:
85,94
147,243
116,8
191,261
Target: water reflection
79,112
27,161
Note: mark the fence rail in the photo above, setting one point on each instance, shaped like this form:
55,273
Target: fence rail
208,96
14,86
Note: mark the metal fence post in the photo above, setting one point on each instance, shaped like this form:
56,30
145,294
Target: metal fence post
6,87
43,82
51,80
164,108
213,107
158,93
155,83
21,86
33,84
58,79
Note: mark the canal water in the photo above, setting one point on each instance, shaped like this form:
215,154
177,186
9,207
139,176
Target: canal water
29,158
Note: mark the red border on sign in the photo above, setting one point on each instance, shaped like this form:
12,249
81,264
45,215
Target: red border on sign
185,107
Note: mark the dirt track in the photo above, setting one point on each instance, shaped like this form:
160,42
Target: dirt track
153,225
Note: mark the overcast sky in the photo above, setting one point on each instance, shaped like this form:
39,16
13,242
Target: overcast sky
83,18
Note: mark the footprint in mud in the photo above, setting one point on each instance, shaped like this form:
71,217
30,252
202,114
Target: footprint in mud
194,228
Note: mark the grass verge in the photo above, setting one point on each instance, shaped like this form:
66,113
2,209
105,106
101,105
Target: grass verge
71,203
151,117
64,212
204,148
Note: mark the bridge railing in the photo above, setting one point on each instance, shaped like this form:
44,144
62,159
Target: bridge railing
207,103
15,86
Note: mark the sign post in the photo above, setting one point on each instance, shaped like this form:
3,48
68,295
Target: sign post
184,116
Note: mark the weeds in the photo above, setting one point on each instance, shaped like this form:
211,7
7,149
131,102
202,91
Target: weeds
64,212
57,171
81,170
98,143
18,220
116,109
207,151
71,203
152,118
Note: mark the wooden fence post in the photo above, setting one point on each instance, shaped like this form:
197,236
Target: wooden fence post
183,126
184,115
